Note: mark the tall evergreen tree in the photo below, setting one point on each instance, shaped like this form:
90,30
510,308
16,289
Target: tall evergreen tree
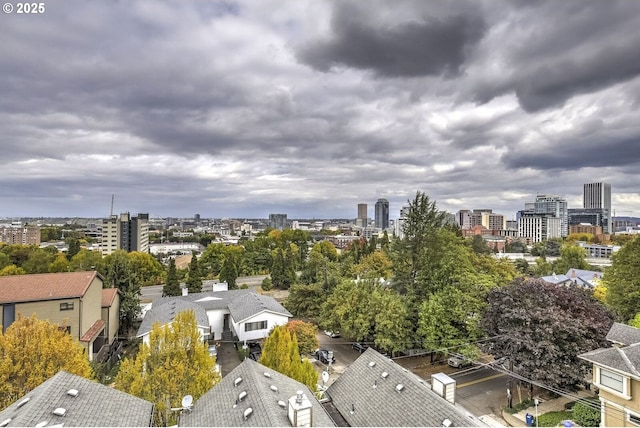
172,285
622,280
194,278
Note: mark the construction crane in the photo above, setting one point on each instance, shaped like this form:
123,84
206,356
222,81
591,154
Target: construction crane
111,212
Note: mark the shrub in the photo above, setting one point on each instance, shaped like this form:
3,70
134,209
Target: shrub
553,419
587,413
266,284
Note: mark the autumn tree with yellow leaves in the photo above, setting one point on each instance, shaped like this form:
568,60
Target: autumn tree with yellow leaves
32,351
175,363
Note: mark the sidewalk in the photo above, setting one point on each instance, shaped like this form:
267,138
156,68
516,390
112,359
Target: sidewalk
557,404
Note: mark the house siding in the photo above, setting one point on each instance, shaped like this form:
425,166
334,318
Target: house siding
50,310
91,305
616,408
111,317
271,318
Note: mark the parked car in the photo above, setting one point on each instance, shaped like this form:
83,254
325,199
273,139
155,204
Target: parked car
458,362
255,350
322,355
332,333
359,346
213,350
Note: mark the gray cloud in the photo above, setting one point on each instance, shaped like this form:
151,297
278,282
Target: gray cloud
245,108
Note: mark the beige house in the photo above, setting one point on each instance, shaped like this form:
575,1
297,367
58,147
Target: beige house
616,374
75,300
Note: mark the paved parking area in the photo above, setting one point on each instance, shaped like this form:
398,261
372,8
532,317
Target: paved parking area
227,357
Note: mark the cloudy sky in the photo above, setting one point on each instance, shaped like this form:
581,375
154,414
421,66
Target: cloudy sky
241,109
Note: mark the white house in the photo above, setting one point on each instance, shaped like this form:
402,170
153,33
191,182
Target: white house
244,314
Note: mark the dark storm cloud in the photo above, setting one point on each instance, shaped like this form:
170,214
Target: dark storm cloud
424,46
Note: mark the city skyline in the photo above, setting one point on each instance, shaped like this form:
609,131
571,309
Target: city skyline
244,109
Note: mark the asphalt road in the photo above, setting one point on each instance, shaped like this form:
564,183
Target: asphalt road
482,391
152,291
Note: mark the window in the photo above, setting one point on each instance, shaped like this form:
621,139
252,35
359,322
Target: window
67,306
258,325
633,418
612,380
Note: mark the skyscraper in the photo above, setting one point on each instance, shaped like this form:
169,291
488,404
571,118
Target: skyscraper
278,221
125,233
382,214
362,211
598,195
555,206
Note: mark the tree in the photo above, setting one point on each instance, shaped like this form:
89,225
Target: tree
85,260
59,264
571,257
280,352
622,280
194,278
38,261
12,270
172,284
31,351
176,362
305,301
283,273
375,266
73,246
306,334
479,245
121,275
231,266
542,328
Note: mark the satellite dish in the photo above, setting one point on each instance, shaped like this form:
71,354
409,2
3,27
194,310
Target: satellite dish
187,401
325,377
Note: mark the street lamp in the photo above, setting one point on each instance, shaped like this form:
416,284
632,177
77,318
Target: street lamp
536,402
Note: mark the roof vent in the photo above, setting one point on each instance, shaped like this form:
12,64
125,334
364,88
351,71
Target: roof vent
267,375
375,383
282,404
72,392
384,375
299,397
60,411
353,408
242,395
372,364
247,413
274,388
41,424
446,423
23,402
237,381
5,422
399,387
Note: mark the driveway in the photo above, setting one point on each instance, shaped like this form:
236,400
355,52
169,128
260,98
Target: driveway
227,357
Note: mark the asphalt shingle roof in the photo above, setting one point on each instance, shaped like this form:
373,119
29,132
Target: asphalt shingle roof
250,304
45,286
167,311
623,334
95,405
364,397
625,360
220,405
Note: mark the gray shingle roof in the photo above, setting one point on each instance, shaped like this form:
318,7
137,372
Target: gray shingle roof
623,334
96,405
251,304
167,311
365,398
218,406
625,360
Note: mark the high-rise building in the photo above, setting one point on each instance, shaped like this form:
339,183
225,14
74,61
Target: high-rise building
598,196
555,206
19,234
125,233
362,220
536,227
278,221
382,214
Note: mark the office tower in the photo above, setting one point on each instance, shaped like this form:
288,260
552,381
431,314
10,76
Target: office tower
278,221
536,227
382,214
125,233
598,196
362,220
555,206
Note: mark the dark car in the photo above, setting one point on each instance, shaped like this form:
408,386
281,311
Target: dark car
359,346
322,355
255,350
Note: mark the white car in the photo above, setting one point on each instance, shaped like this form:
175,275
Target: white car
458,362
213,351
332,333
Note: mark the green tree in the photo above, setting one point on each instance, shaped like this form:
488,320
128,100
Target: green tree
12,270
516,246
479,245
38,261
622,280
571,257
194,278
587,414
175,363
121,275
172,284
280,352
231,266
283,273
375,265
4,260
85,260
31,351
305,300
73,246
59,264
306,335
542,328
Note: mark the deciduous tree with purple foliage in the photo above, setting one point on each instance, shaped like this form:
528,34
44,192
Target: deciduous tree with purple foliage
542,328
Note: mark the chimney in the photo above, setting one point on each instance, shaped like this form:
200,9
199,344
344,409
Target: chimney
573,273
300,411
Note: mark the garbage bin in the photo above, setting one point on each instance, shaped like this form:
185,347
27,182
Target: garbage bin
529,419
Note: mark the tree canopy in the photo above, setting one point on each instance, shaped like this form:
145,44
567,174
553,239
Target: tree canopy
622,281
32,351
542,328
175,363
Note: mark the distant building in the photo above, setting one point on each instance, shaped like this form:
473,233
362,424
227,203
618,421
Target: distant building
363,218
125,233
594,216
382,214
538,227
22,235
598,196
555,206
585,228
278,221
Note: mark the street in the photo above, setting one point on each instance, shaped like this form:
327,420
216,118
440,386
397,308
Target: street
152,291
482,391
